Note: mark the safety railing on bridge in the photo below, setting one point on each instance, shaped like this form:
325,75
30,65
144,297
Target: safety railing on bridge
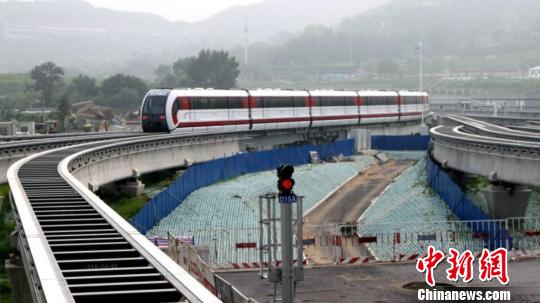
367,243
189,258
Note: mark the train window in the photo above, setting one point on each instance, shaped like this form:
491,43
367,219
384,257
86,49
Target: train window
218,103
201,103
299,102
176,105
277,102
332,101
378,101
410,100
198,103
236,102
154,105
350,101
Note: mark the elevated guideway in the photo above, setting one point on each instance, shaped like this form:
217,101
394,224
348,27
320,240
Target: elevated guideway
509,158
474,126
514,160
74,248
77,249
36,137
10,152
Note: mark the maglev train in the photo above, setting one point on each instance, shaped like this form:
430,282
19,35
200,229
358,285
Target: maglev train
189,110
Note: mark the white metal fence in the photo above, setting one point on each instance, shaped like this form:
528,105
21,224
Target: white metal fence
327,244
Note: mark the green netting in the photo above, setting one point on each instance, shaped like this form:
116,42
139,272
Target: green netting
227,212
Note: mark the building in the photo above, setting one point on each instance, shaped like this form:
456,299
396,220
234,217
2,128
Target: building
534,72
17,128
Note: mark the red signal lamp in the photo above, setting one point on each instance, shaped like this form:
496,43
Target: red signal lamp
287,184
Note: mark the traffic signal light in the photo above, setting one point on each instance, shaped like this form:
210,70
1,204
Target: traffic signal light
285,182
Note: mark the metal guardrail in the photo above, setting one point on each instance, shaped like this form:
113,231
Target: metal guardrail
453,137
483,128
37,137
101,153
23,148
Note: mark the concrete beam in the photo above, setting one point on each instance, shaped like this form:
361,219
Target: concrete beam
103,168
497,167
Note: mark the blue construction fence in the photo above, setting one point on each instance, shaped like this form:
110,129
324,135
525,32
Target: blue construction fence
400,142
204,174
482,225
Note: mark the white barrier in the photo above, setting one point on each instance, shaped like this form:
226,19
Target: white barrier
361,244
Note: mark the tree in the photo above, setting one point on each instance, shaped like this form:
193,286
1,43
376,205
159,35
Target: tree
209,69
84,86
64,110
126,98
123,91
45,77
165,77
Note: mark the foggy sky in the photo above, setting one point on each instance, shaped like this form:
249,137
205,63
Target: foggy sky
174,10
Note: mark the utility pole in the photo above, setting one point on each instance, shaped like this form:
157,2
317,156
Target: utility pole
421,65
421,75
246,40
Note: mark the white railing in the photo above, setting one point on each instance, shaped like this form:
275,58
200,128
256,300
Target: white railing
344,244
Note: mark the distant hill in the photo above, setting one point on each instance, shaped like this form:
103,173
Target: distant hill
268,18
76,35
99,41
496,32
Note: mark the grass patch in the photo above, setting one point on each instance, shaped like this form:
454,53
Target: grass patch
7,224
126,207
477,184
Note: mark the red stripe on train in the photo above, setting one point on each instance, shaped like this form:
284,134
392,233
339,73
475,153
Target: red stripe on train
285,120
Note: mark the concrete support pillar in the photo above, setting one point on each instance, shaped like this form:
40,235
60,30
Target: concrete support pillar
20,290
506,202
362,138
131,187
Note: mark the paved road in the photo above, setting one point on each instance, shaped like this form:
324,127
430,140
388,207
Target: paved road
349,202
380,283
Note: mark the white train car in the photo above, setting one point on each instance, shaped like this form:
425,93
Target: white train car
191,110
272,109
412,104
330,107
379,106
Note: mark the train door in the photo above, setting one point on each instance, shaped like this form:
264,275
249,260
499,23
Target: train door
301,112
351,110
278,111
238,114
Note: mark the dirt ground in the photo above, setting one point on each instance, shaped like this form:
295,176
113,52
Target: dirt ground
347,205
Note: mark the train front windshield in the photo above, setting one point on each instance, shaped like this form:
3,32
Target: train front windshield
153,114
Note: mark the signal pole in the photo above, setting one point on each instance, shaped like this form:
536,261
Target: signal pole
286,197
288,274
